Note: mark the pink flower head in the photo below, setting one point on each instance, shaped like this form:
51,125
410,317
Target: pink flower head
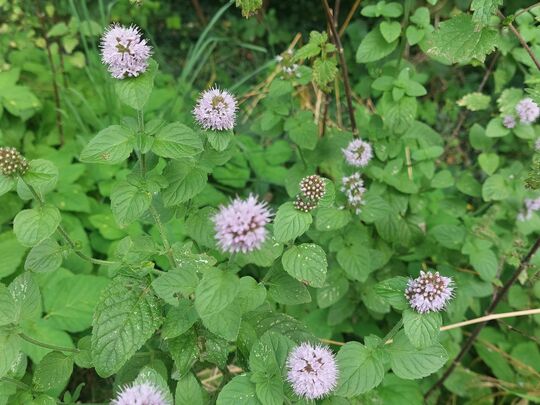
509,121
429,292
312,370
216,110
141,394
527,110
531,205
358,153
241,225
124,51
353,187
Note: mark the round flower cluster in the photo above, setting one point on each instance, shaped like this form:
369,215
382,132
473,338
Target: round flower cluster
358,153
285,61
12,162
241,225
312,371
429,292
509,121
140,394
527,110
216,110
353,187
531,205
312,189
124,51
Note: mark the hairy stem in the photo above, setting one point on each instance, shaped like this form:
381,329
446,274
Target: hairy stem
47,345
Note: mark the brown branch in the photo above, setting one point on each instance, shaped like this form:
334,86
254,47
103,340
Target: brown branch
349,17
491,308
344,70
521,40
199,11
56,92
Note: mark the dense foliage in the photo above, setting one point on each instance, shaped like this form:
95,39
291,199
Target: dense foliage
273,202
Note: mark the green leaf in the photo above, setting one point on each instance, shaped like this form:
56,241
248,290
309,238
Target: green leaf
392,291
111,145
422,329
10,347
8,314
185,182
70,305
177,141
42,175
390,30
485,263
27,297
488,162
374,47
496,129
307,263
129,202
184,350
356,262
172,283
45,257
410,363
483,10
450,236
52,372
459,41
286,290
324,71
240,390
249,7
495,188
189,391
179,319
331,219
34,225
474,101
302,130
126,316
219,140
6,184
135,91
361,369
11,253
290,223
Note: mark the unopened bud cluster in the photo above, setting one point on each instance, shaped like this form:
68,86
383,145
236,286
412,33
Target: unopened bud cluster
312,189
12,162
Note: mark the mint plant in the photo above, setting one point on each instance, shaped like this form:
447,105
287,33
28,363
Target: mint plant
348,219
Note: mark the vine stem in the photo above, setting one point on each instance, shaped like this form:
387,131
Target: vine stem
344,70
64,233
521,40
472,337
486,318
47,345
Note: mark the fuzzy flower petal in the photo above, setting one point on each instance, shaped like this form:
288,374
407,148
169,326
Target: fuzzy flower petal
509,121
124,51
312,370
429,292
527,110
531,205
241,225
141,394
216,110
358,153
353,187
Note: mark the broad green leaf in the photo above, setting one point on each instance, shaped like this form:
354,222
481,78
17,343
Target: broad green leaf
330,219
395,391
422,329
8,312
45,257
179,319
129,202
27,297
302,130
307,263
356,262
189,391
172,283
450,236
135,91
496,129
42,175
474,101
361,369
392,291
126,316
390,30
488,162
459,41
185,182
9,351
111,145
485,263
33,226
324,71
410,363
374,47
290,223
286,290
495,188
6,184
52,372
483,10
11,253
240,390
219,140
336,287
177,141
184,350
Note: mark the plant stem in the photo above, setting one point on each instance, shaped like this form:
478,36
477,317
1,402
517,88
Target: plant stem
343,63
469,342
163,235
390,335
64,233
521,40
47,345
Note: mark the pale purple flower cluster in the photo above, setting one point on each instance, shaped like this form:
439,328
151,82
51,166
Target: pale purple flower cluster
312,370
241,225
353,187
216,110
509,121
429,292
358,153
124,51
140,394
527,110
531,205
